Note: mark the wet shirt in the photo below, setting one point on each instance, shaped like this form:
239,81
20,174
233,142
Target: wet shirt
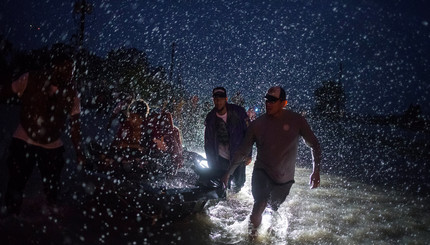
18,87
277,144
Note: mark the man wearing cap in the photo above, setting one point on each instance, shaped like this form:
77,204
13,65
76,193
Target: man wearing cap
276,134
225,128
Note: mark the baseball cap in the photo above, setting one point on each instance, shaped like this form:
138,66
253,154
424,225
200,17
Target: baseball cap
275,93
219,92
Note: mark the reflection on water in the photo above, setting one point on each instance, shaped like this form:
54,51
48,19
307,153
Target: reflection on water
339,212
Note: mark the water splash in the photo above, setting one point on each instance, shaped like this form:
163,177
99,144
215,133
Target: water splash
340,212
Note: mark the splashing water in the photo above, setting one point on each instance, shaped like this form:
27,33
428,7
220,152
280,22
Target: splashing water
339,212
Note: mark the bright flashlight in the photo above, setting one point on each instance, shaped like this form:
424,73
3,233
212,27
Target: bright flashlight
204,163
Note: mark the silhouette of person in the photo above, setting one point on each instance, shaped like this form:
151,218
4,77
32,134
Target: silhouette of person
48,98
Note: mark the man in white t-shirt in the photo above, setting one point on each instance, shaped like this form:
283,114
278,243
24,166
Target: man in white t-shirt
225,128
48,99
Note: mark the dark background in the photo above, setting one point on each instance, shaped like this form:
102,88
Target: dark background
247,46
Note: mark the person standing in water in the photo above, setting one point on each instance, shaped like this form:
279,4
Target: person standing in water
49,97
225,128
276,134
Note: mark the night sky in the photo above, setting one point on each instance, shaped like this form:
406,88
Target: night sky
247,46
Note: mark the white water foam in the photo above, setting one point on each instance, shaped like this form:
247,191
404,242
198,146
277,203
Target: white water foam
339,212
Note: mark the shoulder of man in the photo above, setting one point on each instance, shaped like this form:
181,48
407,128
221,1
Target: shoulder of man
210,116
296,117
235,107
32,81
259,121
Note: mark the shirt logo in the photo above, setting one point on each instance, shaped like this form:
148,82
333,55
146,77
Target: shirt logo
286,127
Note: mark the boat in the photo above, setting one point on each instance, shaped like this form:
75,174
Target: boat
152,196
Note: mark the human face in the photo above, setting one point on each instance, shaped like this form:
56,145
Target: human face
274,108
219,104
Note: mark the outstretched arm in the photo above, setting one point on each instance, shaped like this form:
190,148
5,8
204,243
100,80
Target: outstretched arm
241,155
312,141
316,157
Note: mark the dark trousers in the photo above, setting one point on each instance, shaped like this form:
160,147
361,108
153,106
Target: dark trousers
238,177
21,161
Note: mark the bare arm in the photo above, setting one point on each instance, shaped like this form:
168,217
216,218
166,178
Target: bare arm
17,87
312,141
241,155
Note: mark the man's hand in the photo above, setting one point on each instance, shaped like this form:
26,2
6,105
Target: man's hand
248,161
224,180
160,144
315,179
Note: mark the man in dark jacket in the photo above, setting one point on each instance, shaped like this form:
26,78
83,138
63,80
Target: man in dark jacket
225,128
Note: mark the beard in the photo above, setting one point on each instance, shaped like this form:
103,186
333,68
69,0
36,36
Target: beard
219,109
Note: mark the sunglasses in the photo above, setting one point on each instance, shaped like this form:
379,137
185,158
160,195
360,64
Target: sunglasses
270,99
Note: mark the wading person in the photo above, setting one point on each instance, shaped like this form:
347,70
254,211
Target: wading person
276,134
225,128
48,98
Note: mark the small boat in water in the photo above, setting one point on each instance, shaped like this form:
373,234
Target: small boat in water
148,194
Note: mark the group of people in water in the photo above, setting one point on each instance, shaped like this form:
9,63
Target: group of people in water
49,98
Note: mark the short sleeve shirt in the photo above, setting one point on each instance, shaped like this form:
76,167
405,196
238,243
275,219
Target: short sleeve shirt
18,87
